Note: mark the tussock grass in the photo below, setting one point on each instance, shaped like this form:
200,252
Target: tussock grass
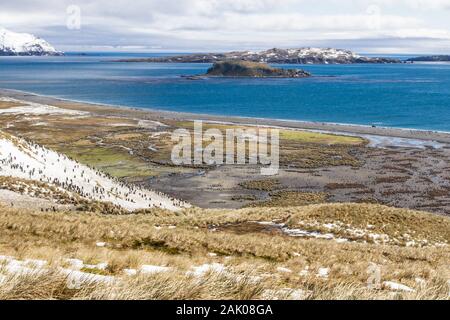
133,240
397,223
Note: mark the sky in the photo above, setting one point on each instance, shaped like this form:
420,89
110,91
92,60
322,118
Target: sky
364,26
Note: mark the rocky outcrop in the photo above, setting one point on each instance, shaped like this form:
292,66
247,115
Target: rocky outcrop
237,68
288,56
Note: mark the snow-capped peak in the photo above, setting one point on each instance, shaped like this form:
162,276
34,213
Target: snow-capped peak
24,44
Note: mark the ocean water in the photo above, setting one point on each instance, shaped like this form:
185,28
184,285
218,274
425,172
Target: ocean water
405,95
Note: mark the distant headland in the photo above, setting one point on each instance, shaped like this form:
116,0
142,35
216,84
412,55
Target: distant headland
274,56
435,58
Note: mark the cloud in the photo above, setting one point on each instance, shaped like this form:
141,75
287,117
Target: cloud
233,24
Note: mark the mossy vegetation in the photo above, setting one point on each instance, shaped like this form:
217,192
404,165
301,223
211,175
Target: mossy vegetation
261,185
291,198
320,138
117,163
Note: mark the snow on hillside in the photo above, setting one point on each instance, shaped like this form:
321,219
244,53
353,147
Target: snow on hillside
12,43
25,160
33,108
317,53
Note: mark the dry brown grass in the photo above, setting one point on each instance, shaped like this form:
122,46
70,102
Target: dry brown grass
401,224
39,190
9,104
133,240
173,286
43,190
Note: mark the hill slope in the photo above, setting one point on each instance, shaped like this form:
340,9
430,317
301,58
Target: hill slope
163,255
26,160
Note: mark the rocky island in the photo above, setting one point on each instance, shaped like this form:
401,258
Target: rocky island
287,56
238,68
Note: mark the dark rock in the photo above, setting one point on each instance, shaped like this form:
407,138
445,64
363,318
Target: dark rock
238,68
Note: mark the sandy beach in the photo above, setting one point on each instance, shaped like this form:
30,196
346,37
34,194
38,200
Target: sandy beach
415,134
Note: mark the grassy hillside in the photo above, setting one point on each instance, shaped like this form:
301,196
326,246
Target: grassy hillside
254,262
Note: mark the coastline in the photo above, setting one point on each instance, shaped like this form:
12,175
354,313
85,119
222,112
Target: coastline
143,113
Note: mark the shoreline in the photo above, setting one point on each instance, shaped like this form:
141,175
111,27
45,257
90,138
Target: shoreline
326,127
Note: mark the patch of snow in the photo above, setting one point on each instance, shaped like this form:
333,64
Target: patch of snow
304,272
150,269
284,270
421,282
397,286
99,266
150,124
78,278
6,259
75,264
304,233
32,108
26,160
35,263
286,293
323,272
74,279
130,272
17,267
3,279
206,268
117,124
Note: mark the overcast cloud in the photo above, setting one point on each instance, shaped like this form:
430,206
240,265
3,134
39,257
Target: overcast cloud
378,26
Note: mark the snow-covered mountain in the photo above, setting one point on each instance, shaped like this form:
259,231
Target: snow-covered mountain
24,44
293,56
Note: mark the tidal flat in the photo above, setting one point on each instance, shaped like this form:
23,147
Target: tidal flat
329,162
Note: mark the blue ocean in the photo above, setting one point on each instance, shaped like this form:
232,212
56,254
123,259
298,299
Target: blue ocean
404,95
